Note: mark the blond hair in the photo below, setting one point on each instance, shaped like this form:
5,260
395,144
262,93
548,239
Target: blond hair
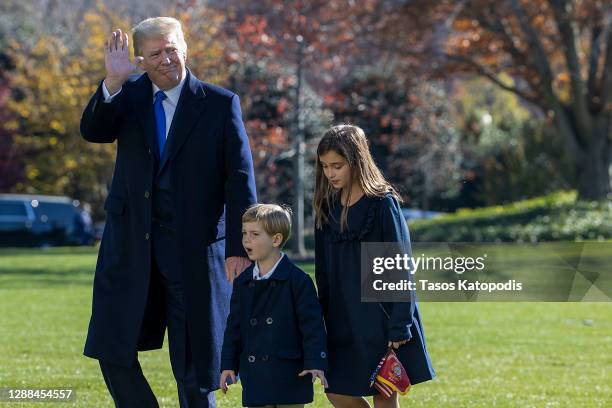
350,142
156,27
275,219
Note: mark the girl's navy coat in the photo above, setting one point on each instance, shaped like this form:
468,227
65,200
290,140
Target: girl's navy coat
357,331
274,331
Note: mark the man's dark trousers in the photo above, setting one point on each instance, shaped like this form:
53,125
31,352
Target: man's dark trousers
128,386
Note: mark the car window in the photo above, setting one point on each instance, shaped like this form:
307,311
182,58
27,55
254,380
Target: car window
56,213
12,209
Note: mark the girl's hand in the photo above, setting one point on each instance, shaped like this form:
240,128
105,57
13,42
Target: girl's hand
316,374
224,375
396,344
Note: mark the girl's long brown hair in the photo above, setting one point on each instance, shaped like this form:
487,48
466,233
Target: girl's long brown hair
350,142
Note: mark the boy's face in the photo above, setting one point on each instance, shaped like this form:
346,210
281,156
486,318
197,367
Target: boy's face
256,241
336,169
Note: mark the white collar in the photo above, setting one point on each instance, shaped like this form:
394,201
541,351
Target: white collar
172,94
270,272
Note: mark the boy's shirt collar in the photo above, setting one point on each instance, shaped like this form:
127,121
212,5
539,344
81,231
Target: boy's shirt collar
280,273
270,272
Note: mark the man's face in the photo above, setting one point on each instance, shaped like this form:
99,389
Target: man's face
164,60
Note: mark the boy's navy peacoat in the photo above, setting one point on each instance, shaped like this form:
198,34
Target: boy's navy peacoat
274,331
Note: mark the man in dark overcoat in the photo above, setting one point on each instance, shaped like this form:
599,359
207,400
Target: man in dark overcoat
172,242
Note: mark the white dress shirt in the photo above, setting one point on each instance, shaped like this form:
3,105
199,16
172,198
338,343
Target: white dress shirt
169,104
270,272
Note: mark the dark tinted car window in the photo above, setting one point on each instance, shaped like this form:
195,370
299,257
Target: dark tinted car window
12,208
55,213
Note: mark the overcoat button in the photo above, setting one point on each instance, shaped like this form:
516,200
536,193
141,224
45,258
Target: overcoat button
265,358
252,285
149,150
269,320
251,359
147,194
323,354
147,236
253,321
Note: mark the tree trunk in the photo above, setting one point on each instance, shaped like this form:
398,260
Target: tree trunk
593,167
299,249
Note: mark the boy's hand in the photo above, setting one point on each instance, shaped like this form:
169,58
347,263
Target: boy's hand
223,383
315,374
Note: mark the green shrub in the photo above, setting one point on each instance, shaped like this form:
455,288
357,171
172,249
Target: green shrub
554,217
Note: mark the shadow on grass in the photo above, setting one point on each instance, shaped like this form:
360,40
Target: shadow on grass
86,250
40,268
37,278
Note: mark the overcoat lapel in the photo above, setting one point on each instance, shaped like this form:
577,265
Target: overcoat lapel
189,110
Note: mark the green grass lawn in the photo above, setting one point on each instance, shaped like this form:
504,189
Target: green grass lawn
485,354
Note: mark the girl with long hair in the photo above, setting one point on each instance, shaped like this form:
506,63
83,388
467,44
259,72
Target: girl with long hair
354,203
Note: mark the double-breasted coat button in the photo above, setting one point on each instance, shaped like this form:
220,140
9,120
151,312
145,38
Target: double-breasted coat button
251,359
265,358
323,354
147,236
269,320
147,194
253,321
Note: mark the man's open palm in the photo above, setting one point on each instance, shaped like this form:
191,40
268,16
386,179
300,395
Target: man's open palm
117,60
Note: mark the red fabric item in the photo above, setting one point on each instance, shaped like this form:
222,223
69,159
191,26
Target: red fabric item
390,376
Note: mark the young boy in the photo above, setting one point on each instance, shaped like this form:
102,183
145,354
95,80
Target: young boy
275,334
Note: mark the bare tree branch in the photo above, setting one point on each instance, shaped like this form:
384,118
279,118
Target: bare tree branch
495,25
606,81
596,45
569,38
537,49
443,31
599,34
482,70
538,54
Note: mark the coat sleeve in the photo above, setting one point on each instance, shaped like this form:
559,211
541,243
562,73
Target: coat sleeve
240,190
100,120
395,230
232,342
321,271
310,322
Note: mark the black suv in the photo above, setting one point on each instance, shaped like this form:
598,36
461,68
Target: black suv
37,220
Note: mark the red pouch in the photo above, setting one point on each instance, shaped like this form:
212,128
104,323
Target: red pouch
390,376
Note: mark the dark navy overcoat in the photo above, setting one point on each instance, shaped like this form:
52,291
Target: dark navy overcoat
212,184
